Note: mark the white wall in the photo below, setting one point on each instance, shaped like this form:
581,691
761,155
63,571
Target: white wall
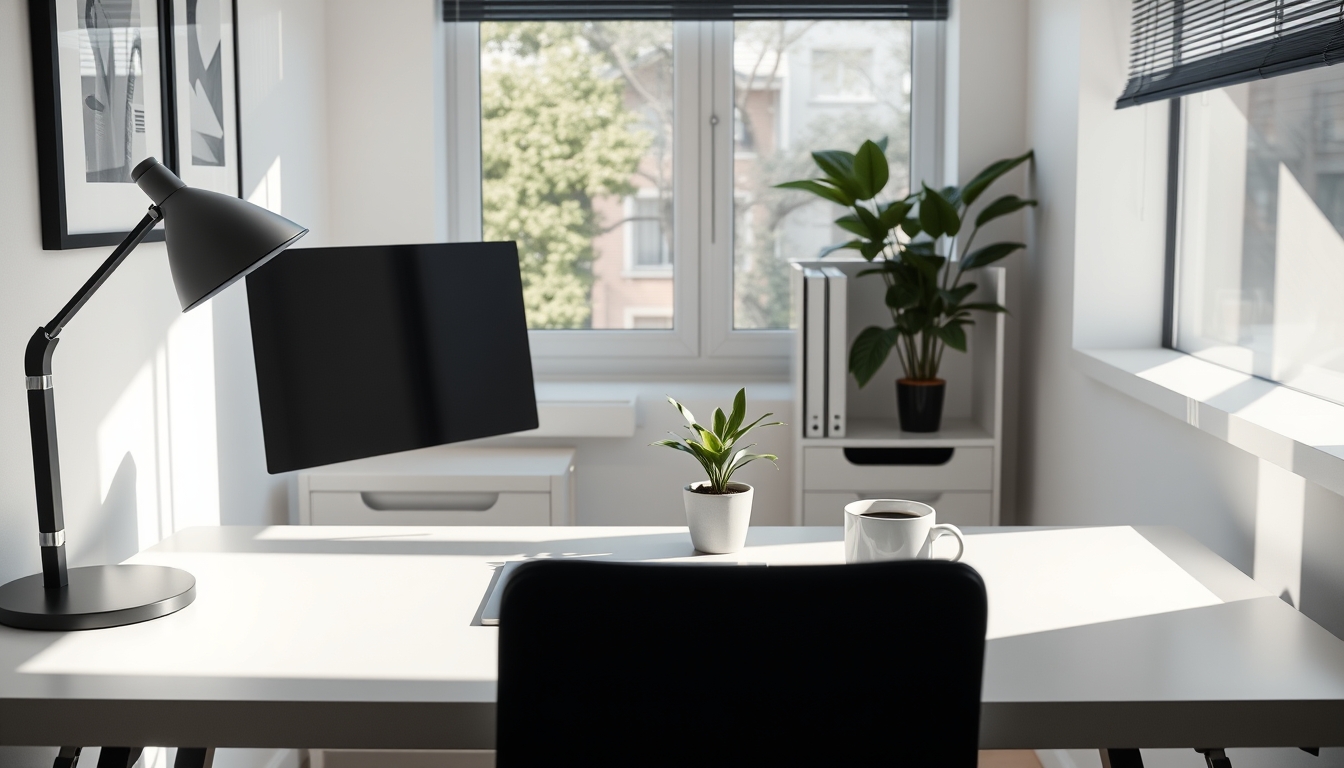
986,77
283,81
132,375
1089,455
387,141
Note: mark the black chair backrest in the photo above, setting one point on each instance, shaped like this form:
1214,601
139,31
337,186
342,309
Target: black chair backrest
623,664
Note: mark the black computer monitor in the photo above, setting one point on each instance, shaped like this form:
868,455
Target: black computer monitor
368,350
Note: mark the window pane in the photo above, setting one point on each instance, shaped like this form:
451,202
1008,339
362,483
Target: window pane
801,87
1261,251
576,159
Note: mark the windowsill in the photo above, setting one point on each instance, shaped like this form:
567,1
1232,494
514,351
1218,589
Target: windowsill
584,410
844,101
1299,432
644,273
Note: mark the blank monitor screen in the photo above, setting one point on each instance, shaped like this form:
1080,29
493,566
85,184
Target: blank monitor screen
369,350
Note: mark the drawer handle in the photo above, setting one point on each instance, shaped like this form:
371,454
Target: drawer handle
909,457
429,501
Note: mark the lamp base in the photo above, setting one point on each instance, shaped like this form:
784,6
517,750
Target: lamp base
98,596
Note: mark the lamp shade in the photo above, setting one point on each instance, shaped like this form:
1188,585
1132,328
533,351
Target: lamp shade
213,239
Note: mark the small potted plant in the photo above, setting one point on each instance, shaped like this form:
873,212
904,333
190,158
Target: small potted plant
910,240
718,510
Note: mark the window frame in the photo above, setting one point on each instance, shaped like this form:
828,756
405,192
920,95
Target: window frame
703,339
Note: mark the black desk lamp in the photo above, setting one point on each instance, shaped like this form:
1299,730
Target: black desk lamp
213,240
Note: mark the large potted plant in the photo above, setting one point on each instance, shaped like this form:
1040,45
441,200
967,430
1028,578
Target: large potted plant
718,510
909,239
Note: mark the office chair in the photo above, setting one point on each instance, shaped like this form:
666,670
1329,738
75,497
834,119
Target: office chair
626,664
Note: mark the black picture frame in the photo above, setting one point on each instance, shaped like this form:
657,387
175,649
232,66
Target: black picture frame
182,18
53,191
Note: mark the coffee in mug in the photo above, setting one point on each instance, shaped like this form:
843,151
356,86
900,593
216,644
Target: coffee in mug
894,529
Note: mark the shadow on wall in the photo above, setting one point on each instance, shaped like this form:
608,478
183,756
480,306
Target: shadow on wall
114,535
1298,527
158,467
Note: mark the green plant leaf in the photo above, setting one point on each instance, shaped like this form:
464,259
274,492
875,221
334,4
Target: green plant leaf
870,170
853,245
1001,207
753,425
937,216
683,410
820,189
677,444
953,335
957,295
710,440
869,352
739,412
985,306
876,232
720,421
928,265
882,143
972,190
983,257
742,459
871,249
838,167
951,195
902,295
911,227
892,214
851,223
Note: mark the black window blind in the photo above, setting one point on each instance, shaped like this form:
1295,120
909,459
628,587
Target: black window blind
1179,47
689,10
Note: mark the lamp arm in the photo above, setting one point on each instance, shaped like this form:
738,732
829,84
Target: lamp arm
100,275
42,411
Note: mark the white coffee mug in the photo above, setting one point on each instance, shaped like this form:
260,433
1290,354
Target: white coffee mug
894,529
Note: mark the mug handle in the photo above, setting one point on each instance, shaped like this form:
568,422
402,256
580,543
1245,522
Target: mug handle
946,529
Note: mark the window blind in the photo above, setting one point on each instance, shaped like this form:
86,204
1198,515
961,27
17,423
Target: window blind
689,10
1179,47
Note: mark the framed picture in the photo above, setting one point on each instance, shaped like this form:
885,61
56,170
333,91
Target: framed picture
204,119
99,80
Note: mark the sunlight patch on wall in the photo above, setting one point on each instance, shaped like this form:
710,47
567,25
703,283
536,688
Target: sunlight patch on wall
165,421
267,192
1280,507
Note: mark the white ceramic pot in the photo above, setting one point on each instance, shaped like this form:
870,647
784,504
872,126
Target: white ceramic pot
718,522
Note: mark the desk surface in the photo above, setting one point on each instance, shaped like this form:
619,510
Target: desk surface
370,638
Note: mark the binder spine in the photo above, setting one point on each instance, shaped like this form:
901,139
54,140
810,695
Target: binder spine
814,354
837,356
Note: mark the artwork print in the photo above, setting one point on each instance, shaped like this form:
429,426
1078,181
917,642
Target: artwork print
112,86
205,88
101,108
205,53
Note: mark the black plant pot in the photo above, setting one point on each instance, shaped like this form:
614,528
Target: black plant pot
919,403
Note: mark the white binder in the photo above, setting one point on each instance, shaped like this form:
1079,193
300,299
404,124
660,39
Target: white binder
814,353
837,354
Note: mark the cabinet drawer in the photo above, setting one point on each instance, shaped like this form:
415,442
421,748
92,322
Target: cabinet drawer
429,508
956,507
828,469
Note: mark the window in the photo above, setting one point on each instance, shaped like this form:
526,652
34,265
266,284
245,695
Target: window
842,74
1260,244
576,118
796,93
648,249
634,162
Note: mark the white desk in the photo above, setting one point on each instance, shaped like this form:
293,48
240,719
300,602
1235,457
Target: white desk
369,638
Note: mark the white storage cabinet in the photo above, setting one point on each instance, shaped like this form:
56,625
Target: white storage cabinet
956,470
443,485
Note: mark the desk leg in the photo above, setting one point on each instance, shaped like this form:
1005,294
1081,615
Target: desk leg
68,757
118,757
1112,758
1216,758
194,757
